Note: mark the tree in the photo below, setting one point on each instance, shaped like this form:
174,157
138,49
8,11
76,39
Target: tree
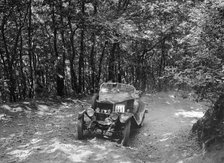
73,46
200,66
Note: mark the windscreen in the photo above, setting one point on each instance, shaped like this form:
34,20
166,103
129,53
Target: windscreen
116,88
116,92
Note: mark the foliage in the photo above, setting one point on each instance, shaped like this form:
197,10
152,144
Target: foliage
69,47
201,63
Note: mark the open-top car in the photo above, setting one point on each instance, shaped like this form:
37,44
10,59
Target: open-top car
114,109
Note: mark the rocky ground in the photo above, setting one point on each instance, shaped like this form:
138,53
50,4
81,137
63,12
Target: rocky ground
45,131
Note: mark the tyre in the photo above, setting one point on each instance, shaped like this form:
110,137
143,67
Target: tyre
126,133
80,128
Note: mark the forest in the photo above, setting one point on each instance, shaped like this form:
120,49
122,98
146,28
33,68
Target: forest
54,54
69,47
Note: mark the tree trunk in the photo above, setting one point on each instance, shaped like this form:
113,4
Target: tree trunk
59,68
31,91
111,68
92,53
100,63
62,71
81,55
92,63
23,77
72,57
119,71
12,86
162,63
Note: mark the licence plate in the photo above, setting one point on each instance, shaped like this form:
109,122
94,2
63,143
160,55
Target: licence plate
120,108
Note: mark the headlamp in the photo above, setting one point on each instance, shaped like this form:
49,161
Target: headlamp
90,112
114,116
124,117
97,110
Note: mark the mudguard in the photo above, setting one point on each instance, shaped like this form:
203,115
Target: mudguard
81,113
124,117
140,113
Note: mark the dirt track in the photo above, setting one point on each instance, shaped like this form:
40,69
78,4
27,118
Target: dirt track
48,135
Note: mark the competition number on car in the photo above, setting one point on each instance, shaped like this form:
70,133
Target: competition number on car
120,108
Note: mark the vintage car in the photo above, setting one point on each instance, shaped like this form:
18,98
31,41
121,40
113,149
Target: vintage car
114,109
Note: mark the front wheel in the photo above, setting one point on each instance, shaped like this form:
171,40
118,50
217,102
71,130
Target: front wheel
126,133
80,127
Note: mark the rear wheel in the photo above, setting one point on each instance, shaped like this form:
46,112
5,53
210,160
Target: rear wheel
126,133
80,127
